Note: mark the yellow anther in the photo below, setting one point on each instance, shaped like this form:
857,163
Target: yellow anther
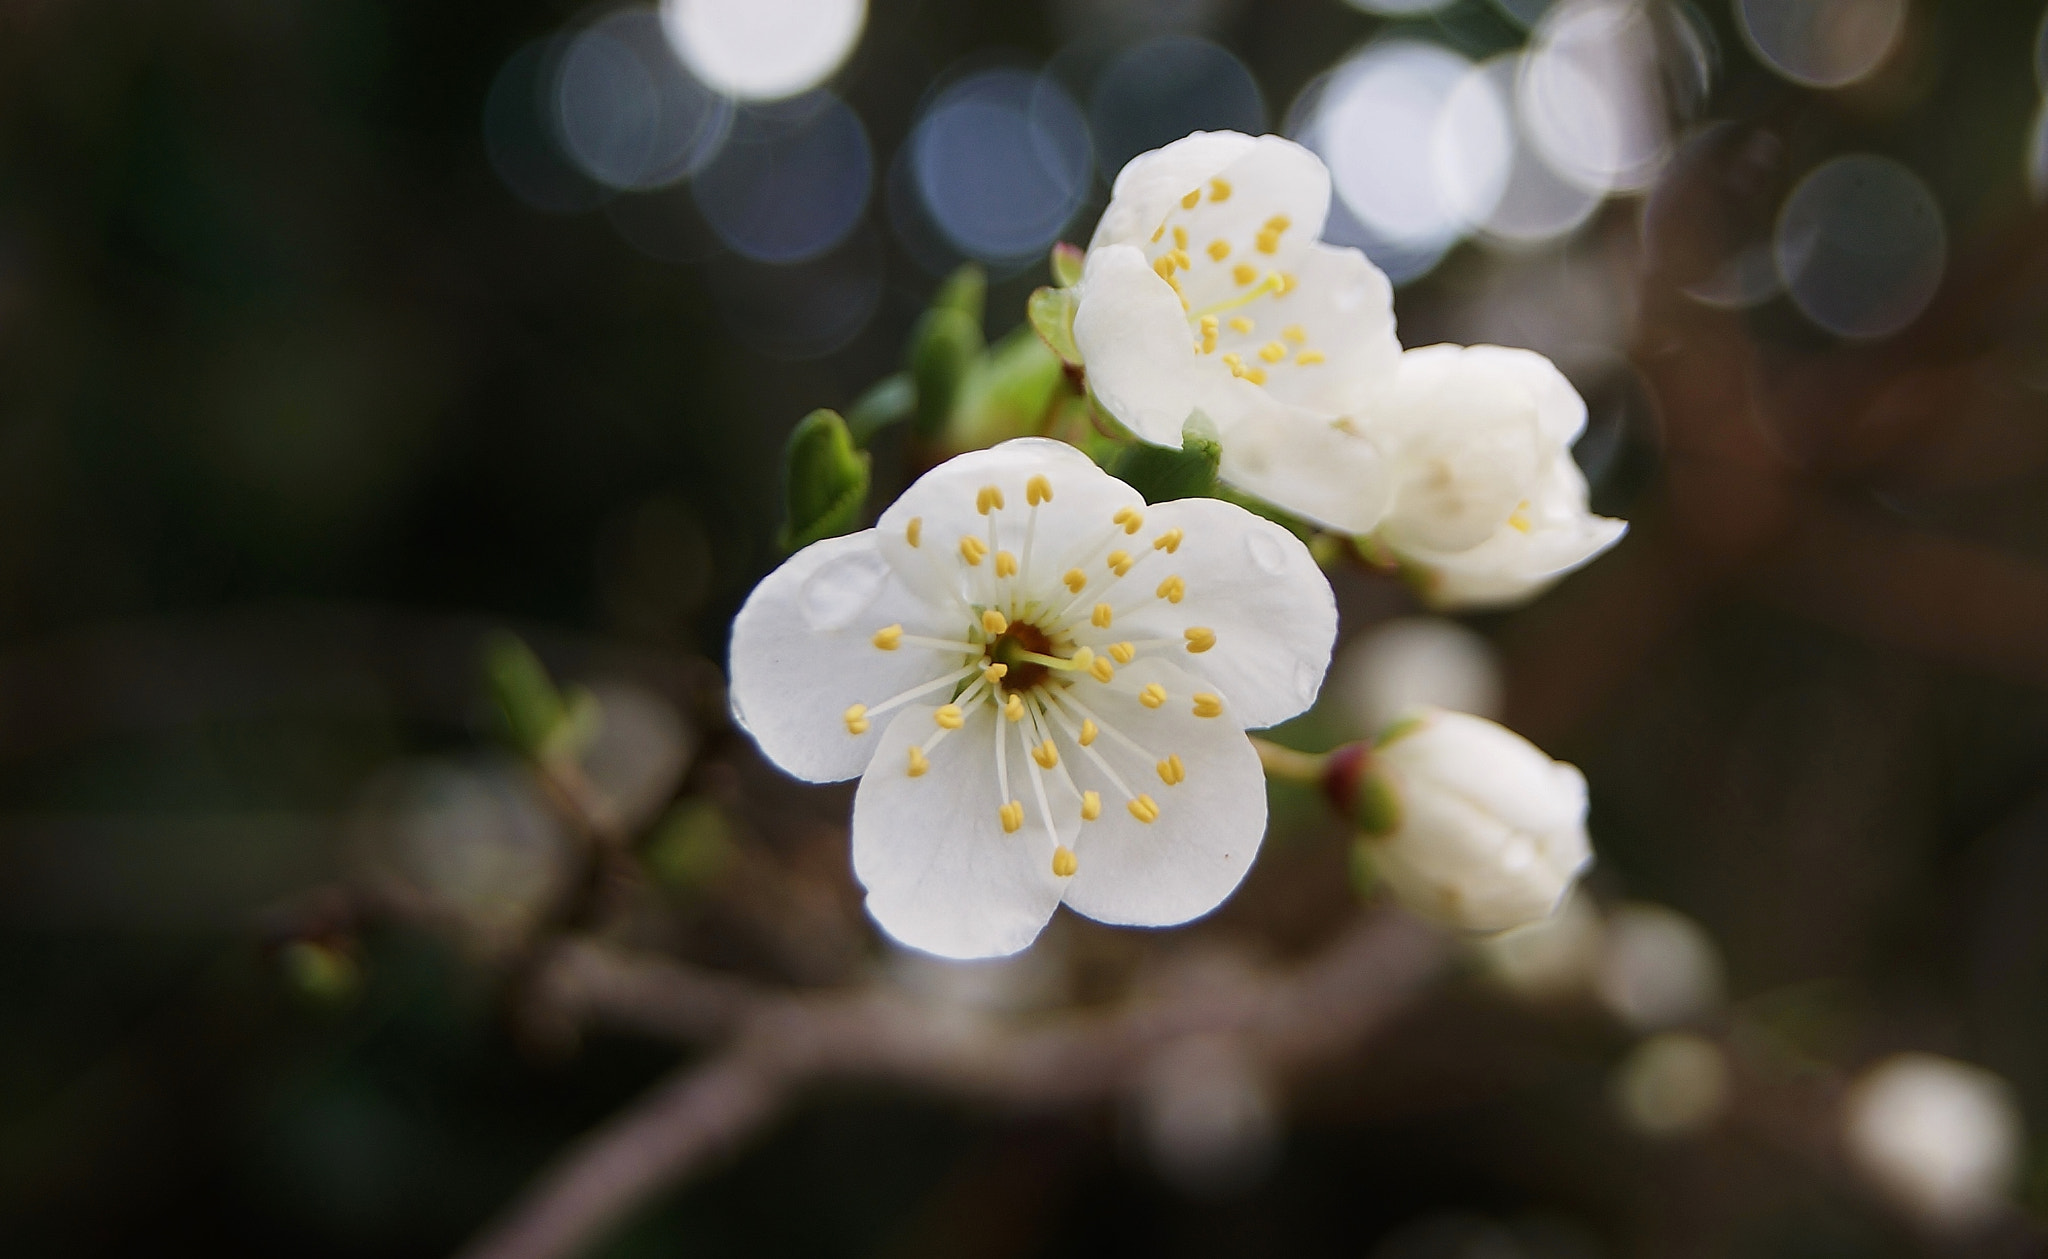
1158,232
1088,732
1168,542
1308,356
1119,562
1013,707
1101,616
1163,264
1200,638
972,549
1038,490
1272,351
995,673
1278,223
1208,327
913,533
1123,653
1294,333
1208,342
1180,256
1256,375
1219,189
1283,283
1519,519
1234,363
1046,755
1267,242
1076,580
1241,325
1101,670
1091,805
1180,238
1082,658
1144,808
1244,273
949,717
1153,695
988,499
1130,518
1208,705
1218,250
994,622
888,638
1173,590
856,719
1188,202
1063,862
918,763
1171,771
1012,815
1006,564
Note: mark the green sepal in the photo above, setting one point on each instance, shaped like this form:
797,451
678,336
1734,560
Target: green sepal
944,351
1160,473
966,290
529,707
1052,314
890,400
1067,263
1375,806
1398,728
1009,394
825,481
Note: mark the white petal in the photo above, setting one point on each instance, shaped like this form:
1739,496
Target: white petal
1273,183
1516,564
1258,589
1134,338
940,873
1152,183
1560,411
1312,466
1345,307
1192,857
1489,766
1457,863
1463,432
802,652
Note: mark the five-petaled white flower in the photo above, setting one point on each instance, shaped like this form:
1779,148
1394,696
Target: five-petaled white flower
1207,296
1044,684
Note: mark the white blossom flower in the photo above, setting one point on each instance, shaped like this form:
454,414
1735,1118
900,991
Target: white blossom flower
1941,1137
1489,834
1207,296
1044,685
1488,507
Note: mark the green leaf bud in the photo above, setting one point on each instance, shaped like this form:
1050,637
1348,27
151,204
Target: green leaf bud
1161,474
529,707
944,351
825,481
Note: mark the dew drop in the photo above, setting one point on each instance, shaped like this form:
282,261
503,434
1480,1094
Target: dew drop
1266,552
842,590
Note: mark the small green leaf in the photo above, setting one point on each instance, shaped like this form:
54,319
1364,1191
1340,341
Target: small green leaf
966,290
692,846
825,481
1066,264
943,351
1010,394
1161,474
889,400
1052,315
530,709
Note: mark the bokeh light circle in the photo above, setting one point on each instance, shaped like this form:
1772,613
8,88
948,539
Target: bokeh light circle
802,310
1002,161
1860,246
792,179
1527,202
1378,125
1155,92
1593,93
1398,8
2037,154
1821,43
520,141
764,50
627,113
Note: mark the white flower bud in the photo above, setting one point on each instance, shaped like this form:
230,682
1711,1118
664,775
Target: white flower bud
1491,833
1940,1137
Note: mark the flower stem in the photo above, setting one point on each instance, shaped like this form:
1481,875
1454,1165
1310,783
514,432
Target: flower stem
1280,762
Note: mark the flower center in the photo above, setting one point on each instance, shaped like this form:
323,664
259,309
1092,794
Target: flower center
1015,648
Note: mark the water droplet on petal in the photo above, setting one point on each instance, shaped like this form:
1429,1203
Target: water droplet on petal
1266,552
842,590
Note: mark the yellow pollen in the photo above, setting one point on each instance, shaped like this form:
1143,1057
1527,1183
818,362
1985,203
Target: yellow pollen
1188,202
1038,490
1153,695
1180,238
972,549
1119,562
1267,242
1075,579
1006,564
1520,521
1307,357
918,763
1046,755
914,531
1279,223
1012,815
1101,616
1123,653
1241,325
995,673
1130,518
1272,351
1208,324
1244,273
1284,284
1173,590
1180,256
856,719
1218,250
994,622
1163,264
888,638
1208,705
1101,670
1144,808
1064,863
1200,638
1234,363
1091,805
1158,232
1082,658
1294,333
1208,343
1219,189
1256,375
948,717
1088,733
1171,771
988,499
1013,707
